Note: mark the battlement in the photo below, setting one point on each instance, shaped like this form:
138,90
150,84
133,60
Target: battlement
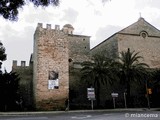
67,28
14,64
48,26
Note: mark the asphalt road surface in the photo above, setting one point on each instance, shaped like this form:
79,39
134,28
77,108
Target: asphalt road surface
87,115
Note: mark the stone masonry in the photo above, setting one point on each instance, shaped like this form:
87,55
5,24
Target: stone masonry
140,37
50,54
26,74
61,51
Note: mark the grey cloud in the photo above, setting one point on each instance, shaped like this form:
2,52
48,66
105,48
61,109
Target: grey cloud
18,44
70,15
105,32
33,14
39,16
8,32
90,2
104,1
155,22
96,12
140,4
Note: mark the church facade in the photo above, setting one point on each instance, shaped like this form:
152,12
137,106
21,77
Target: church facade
58,53
140,37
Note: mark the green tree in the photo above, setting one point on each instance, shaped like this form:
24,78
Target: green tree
97,72
131,69
3,55
155,79
9,85
154,84
9,8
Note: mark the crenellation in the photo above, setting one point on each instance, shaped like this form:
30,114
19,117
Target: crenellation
57,27
14,63
40,25
23,63
48,26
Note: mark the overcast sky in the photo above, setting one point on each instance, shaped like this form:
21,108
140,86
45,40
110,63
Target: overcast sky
88,17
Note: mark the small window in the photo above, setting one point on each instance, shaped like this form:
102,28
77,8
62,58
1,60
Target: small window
83,39
70,60
144,34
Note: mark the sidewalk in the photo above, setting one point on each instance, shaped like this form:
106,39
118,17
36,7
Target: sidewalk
72,111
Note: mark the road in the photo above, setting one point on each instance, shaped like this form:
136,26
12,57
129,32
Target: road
87,115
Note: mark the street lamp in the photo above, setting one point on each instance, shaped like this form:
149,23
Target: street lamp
125,103
148,101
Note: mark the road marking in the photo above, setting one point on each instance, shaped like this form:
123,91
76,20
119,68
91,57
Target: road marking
81,117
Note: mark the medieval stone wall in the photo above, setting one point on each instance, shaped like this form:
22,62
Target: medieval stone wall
79,47
109,47
50,54
25,84
140,37
63,52
144,38
147,47
60,51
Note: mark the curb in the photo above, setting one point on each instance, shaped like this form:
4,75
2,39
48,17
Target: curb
77,111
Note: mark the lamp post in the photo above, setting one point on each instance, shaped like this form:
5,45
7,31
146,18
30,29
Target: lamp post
125,103
148,101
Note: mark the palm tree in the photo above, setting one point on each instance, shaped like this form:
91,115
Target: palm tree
97,72
131,69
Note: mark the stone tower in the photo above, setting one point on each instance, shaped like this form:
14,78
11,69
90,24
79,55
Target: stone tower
50,68
68,29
